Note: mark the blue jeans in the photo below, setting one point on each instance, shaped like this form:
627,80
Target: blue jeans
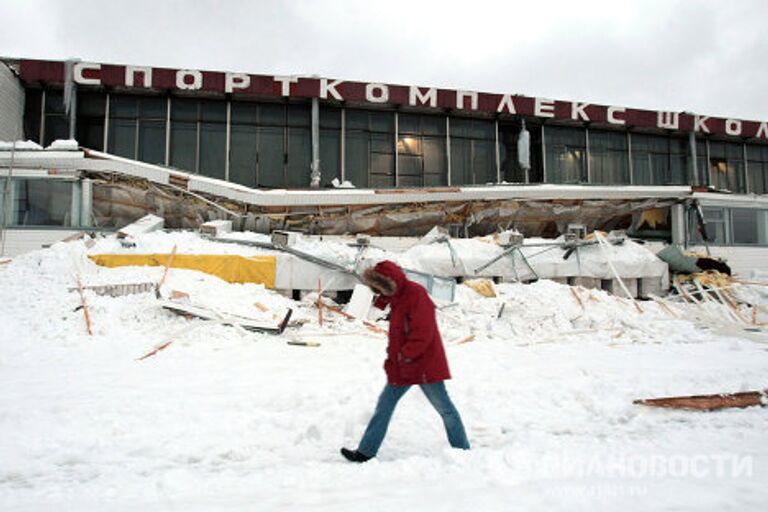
437,396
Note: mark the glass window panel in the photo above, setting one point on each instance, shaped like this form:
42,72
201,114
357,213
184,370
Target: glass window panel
382,122
184,145
330,117
32,104
483,129
357,119
435,161
90,104
641,168
461,161
152,142
153,107
271,157
754,152
56,127
43,203
272,114
298,169
717,149
90,132
242,155
184,109
756,178
409,165
213,143
484,162
243,112
382,143
409,124
213,110
433,125
356,146
299,115
123,106
745,226
461,127
734,151
122,137
382,170
330,156
410,181
54,101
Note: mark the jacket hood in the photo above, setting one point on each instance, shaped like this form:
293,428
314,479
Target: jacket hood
393,271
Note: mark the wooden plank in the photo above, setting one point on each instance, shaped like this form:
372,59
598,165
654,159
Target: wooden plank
709,402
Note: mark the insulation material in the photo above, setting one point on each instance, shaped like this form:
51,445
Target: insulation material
230,268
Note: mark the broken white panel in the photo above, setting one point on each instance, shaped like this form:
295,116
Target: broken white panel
360,303
294,273
216,228
146,224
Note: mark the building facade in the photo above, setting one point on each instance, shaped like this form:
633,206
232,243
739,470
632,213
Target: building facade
292,132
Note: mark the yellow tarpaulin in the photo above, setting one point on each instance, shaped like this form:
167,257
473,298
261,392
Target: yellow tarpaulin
229,267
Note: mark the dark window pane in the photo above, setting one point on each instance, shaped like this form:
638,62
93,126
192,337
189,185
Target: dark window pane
270,114
271,157
299,115
54,101
435,162
484,162
357,119
409,124
244,112
745,226
90,132
122,137
357,156
32,107
461,161
330,117
151,107
123,106
213,110
91,104
213,144
184,109
56,127
382,122
330,152
184,146
242,155
152,142
299,158
433,125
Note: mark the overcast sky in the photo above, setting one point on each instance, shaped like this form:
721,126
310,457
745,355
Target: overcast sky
708,57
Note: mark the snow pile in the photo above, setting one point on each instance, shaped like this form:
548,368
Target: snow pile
231,420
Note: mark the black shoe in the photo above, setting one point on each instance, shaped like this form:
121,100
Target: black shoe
354,455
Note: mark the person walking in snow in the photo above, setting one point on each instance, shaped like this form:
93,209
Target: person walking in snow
415,356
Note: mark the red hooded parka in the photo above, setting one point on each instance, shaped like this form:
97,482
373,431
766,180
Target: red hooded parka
415,354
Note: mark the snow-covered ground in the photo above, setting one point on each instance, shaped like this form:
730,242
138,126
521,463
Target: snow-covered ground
223,419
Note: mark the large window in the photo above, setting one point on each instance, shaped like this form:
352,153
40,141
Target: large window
56,121
270,145
199,136
658,160
421,152
90,119
137,127
473,151
40,202
726,166
757,167
330,144
608,157
370,148
565,154
731,226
